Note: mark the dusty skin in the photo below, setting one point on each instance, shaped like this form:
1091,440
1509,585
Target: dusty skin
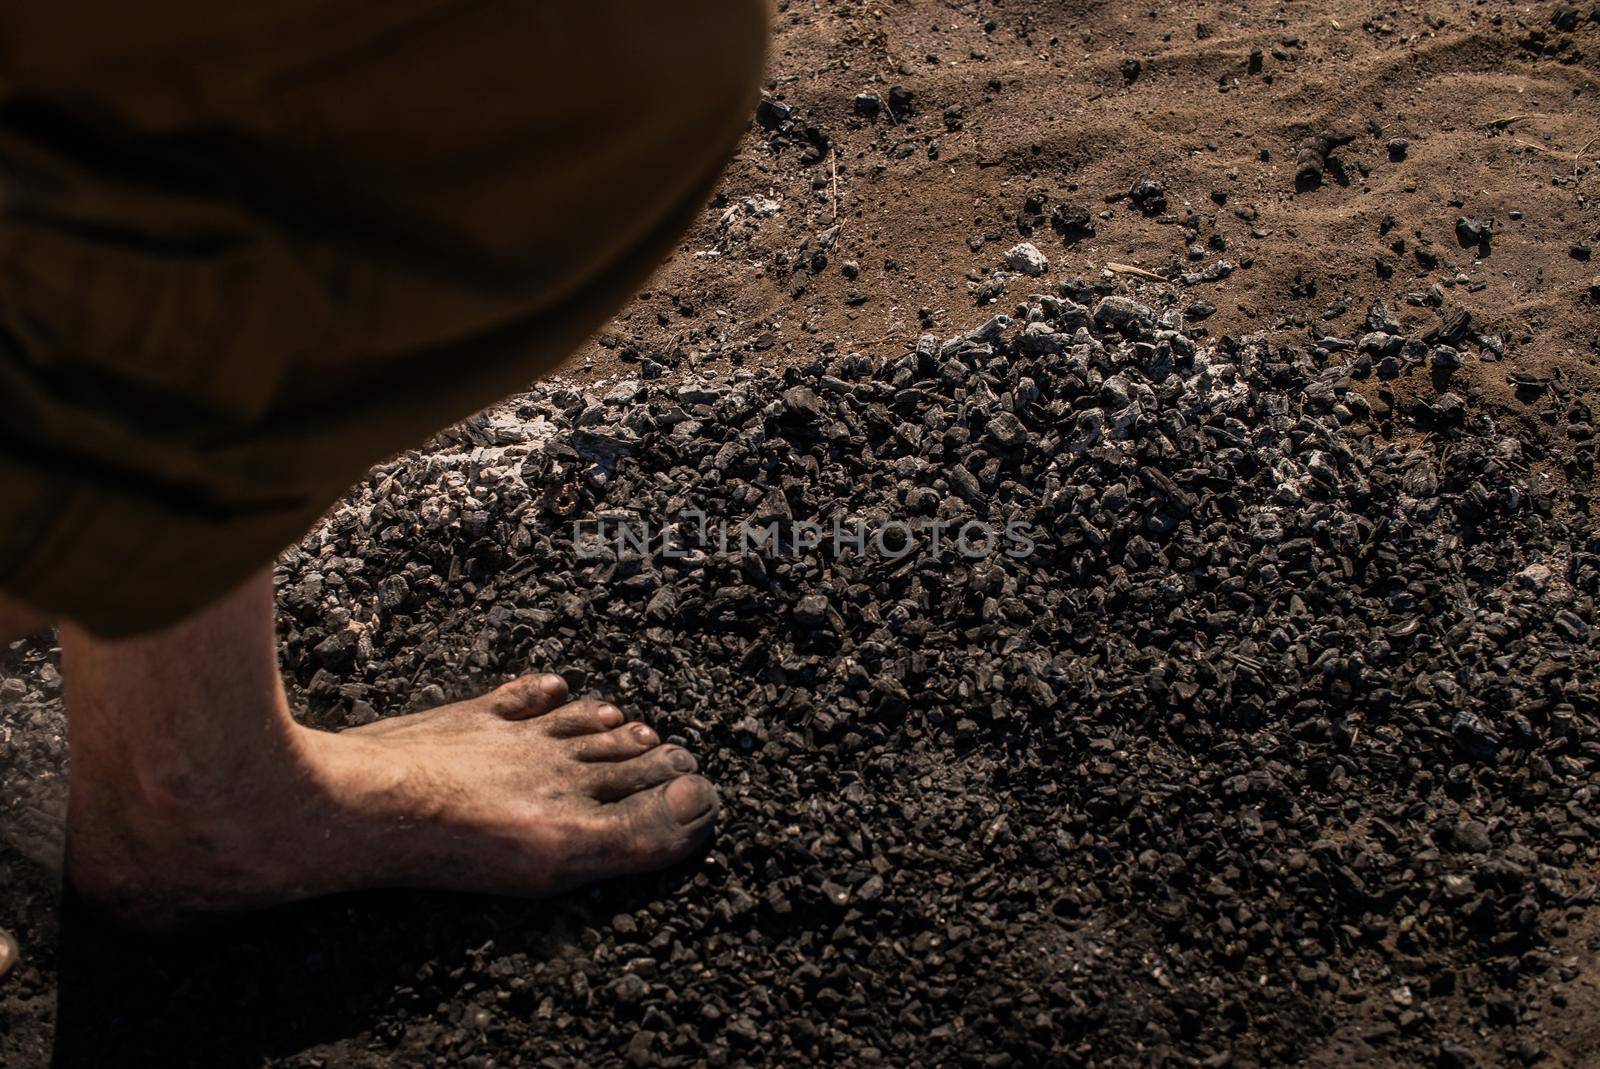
194,792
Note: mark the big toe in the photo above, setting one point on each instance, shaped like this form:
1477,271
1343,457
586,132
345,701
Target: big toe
691,801
655,828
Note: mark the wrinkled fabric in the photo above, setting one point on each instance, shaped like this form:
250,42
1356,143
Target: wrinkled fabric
247,251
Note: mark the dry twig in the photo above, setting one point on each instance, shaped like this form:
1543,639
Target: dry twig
1137,272
833,170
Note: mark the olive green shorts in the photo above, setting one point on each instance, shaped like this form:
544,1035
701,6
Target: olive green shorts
248,250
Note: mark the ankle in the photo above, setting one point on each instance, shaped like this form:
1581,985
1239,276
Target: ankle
163,785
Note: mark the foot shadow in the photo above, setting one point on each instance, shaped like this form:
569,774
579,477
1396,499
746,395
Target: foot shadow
344,977
273,985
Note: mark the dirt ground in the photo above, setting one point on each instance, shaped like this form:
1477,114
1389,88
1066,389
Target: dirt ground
1018,100
850,224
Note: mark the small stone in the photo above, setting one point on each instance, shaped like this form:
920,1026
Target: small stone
1072,222
1026,258
772,114
1007,430
1121,312
1536,577
802,401
1148,195
628,989
1471,836
639,1051
811,610
1473,231
836,894
1448,407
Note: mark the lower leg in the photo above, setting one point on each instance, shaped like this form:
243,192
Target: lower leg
194,791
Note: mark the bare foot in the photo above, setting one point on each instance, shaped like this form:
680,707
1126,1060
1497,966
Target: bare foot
516,792
520,793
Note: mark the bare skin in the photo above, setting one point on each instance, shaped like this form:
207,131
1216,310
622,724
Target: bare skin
194,792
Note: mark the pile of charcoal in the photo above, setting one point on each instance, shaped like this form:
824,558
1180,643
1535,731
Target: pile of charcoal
1079,692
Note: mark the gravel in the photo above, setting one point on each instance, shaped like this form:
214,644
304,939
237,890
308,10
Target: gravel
1245,726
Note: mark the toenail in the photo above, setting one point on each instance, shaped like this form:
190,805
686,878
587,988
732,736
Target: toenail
10,953
690,798
552,685
645,735
682,760
609,715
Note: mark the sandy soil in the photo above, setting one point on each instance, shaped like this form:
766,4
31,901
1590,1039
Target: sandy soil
1018,100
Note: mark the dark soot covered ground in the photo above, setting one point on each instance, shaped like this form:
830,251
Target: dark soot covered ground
1280,745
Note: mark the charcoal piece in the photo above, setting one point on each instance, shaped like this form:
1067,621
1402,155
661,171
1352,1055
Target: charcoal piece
1474,233
772,114
1120,313
1475,736
1007,430
1148,195
965,483
802,402
1072,222
811,611
1455,329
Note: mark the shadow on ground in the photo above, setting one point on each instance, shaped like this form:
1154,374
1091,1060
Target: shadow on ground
282,985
